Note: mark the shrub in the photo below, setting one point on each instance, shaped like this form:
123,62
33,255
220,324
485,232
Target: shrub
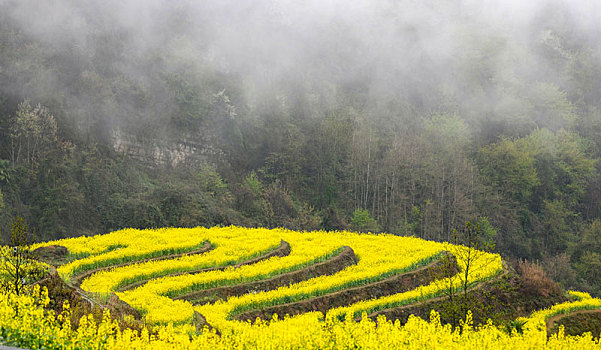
363,222
535,281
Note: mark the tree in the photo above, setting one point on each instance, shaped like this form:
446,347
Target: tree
587,256
33,130
450,171
470,242
362,221
510,167
16,264
471,246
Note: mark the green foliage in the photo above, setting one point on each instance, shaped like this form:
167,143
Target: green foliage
410,226
507,131
211,181
562,163
253,183
589,128
510,167
552,108
279,209
515,326
590,267
449,133
473,242
488,234
587,256
557,226
545,175
362,221
33,134
5,171
285,165
17,267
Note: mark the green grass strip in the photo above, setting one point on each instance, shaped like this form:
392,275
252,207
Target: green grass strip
142,278
133,258
302,296
284,270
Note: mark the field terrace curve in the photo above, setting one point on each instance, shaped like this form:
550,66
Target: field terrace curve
231,248
376,259
125,246
325,265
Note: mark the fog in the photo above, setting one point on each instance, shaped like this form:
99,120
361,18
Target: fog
431,54
425,113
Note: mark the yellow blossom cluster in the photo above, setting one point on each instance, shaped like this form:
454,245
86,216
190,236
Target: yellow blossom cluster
153,297
536,321
23,322
231,247
125,245
378,257
483,267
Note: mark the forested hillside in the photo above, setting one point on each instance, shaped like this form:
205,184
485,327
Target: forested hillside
394,116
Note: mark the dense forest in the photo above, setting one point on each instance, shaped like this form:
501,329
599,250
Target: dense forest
391,116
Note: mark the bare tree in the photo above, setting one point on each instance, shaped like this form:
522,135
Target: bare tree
471,243
16,259
32,131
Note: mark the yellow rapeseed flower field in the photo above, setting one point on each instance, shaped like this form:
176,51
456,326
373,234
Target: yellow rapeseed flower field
23,320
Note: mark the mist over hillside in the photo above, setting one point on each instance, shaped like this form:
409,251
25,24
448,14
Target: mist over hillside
409,117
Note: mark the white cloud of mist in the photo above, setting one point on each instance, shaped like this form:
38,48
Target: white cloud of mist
282,32
393,45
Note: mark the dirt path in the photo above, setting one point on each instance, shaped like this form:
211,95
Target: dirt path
282,250
395,284
78,279
550,322
346,257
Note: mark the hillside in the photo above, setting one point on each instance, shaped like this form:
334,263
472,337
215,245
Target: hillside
302,174
398,116
206,282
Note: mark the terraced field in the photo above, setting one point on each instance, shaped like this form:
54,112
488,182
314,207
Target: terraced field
227,287
230,274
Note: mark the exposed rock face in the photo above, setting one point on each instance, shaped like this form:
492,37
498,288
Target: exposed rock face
164,151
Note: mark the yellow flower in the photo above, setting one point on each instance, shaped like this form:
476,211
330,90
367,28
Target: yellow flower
379,256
